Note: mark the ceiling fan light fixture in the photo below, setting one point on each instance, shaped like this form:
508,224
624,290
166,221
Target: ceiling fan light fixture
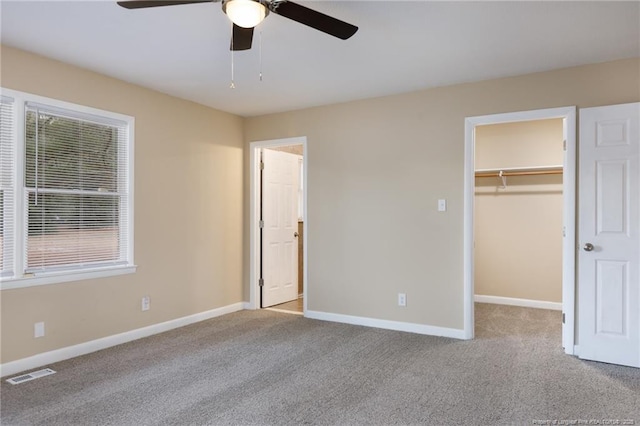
245,13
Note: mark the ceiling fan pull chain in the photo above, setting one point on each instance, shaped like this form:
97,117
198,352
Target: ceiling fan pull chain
260,54
233,84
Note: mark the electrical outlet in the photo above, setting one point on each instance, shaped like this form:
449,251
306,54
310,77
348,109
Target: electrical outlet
402,299
146,303
442,205
38,329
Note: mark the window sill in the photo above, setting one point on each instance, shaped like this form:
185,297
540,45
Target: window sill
67,276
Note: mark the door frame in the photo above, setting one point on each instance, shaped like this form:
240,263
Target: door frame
254,216
568,220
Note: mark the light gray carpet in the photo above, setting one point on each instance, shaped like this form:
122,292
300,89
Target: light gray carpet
269,368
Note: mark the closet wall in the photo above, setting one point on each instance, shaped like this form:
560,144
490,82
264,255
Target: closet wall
518,229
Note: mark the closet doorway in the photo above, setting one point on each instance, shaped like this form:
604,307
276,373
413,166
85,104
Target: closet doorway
520,213
277,226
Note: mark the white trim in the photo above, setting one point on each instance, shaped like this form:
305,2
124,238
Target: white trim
569,212
19,211
254,215
409,327
62,354
67,276
525,303
569,188
131,190
468,241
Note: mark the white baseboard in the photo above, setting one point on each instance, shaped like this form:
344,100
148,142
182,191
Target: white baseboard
386,324
525,303
109,341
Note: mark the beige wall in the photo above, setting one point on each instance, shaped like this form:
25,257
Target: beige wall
518,229
188,215
520,144
376,169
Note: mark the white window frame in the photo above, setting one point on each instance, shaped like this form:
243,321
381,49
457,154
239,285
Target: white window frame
18,228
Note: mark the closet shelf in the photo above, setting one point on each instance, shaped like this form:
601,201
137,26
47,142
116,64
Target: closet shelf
520,171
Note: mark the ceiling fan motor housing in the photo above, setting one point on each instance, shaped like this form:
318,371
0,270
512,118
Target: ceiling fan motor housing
244,13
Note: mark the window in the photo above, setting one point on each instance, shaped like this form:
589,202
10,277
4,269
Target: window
7,172
72,167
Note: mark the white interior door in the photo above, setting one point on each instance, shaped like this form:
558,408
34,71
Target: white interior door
280,226
609,235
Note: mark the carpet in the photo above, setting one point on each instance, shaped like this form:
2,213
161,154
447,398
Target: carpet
270,368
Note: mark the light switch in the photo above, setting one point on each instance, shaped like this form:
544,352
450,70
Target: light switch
442,205
38,329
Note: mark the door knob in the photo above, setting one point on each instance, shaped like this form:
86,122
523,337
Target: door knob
295,234
588,247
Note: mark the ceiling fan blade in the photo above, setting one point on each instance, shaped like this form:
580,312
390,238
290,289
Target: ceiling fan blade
241,38
141,4
313,19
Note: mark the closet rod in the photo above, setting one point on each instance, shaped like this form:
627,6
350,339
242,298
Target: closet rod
522,173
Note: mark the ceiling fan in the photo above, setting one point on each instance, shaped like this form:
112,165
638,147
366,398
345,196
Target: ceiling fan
246,14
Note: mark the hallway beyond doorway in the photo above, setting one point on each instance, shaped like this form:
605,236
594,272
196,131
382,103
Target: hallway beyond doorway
292,307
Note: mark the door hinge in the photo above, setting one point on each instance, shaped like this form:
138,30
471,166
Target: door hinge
261,165
564,145
563,318
261,282
564,231
261,224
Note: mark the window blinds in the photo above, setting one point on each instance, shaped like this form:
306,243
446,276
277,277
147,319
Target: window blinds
7,197
76,190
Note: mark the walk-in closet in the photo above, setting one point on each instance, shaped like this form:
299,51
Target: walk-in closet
518,213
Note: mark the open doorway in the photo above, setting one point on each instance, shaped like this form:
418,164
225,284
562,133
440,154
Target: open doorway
278,225
486,158
518,213
517,226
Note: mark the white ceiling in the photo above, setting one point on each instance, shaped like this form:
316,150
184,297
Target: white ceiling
400,46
